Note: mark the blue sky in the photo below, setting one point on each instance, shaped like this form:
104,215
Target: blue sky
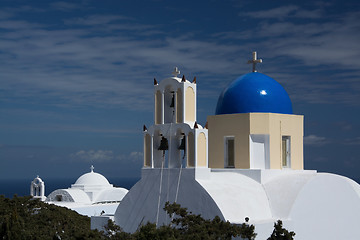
76,77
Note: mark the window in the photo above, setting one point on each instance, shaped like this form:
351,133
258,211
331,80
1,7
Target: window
229,152
286,154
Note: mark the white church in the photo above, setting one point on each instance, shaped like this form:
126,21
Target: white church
90,195
247,161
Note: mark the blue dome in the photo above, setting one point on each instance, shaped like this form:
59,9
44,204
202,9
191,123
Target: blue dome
254,92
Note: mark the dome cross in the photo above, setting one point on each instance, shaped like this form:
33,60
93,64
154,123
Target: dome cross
254,61
92,168
175,72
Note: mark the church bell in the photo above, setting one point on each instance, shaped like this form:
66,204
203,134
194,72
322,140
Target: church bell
164,145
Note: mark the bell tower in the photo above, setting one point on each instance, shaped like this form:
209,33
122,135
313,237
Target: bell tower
37,189
175,101
176,139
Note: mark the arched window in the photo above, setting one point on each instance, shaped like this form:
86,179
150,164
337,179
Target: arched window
157,154
169,105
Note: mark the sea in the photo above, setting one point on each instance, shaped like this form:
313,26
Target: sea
21,187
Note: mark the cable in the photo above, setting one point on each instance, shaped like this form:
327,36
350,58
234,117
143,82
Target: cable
161,176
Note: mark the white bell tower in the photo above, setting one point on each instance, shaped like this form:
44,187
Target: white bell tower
175,140
37,189
175,101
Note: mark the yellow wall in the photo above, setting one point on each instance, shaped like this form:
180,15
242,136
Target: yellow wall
221,126
201,150
242,125
190,105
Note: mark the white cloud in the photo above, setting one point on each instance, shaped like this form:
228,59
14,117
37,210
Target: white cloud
136,156
80,66
315,43
279,12
318,47
352,141
284,12
95,20
314,140
110,60
93,156
65,6
133,157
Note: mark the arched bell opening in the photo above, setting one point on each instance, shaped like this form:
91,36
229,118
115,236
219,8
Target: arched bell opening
147,151
158,107
163,147
179,106
178,149
169,105
191,150
157,154
37,191
34,189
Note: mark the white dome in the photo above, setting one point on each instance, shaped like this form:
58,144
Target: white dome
92,178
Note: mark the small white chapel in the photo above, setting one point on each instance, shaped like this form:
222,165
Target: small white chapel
90,195
247,161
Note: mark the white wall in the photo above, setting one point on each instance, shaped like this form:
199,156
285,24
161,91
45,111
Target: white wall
140,205
259,151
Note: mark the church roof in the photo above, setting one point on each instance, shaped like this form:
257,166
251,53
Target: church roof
254,92
92,178
111,194
69,195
